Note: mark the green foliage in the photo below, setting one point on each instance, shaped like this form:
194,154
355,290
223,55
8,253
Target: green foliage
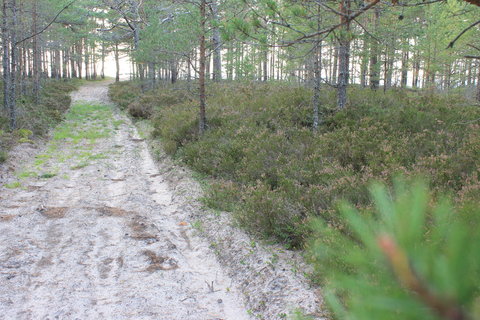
3,156
275,175
98,114
123,94
409,258
36,120
13,185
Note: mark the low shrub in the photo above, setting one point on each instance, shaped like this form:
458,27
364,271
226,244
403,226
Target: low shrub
276,175
54,101
138,110
124,93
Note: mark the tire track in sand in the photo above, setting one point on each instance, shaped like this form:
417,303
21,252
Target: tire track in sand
96,240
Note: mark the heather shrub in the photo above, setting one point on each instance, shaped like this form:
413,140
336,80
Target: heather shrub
124,93
275,175
177,125
137,109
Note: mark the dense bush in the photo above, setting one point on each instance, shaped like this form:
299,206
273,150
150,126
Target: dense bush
124,93
275,175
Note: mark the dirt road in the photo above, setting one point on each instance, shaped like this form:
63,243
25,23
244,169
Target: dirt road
86,231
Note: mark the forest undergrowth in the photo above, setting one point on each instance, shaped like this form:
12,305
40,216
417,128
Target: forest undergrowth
275,175
35,121
261,161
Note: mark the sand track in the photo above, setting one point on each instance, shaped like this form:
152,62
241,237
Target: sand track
97,241
110,237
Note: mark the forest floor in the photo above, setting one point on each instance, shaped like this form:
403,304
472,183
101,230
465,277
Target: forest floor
91,227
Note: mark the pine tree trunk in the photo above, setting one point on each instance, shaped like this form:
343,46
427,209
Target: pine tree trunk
136,37
343,56
207,67
79,58
265,65
151,72
469,72
202,68
217,57
478,85
335,64
93,61
6,57
317,71
174,71
87,61
13,68
374,65
73,71
403,80
117,64
388,68
102,71
272,64
364,65
24,69
64,64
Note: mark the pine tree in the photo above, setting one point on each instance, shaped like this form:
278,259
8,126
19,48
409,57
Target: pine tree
411,258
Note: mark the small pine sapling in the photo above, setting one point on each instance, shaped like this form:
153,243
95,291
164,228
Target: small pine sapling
410,258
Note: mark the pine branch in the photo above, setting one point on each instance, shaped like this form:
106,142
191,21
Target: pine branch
401,267
474,47
332,28
44,29
450,45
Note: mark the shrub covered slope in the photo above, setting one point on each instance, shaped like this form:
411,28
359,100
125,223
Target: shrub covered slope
35,120
275,175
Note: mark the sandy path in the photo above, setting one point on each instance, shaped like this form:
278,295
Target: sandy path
98,240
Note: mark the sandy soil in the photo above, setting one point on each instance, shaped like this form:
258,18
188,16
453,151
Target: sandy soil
113,239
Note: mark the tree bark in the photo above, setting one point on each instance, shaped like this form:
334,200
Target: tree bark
79,58
202,68
217,57
87,61
343,55
102,71
207,67
317,74
317,71
151,72
478,85
6,57
64,64
94,62
136,37
174,71
364,65
73,71
403,80
374,65
335,64
388,68
469,72
265,65
13,67
117,63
